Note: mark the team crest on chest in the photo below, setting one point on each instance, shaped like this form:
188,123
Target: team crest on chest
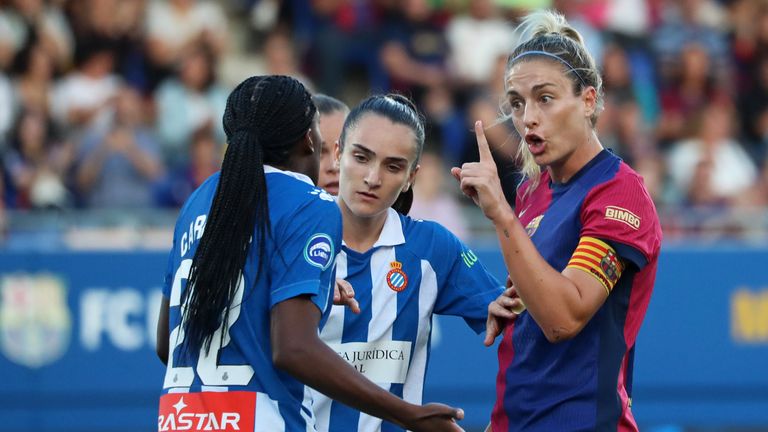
533,225
396,278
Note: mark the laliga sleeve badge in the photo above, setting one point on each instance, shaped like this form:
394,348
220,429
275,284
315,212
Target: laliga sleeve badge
396,278
319,251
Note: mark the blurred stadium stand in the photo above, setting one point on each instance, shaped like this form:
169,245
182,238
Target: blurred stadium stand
110,116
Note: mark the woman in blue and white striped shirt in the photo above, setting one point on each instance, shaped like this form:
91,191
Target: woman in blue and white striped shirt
403,270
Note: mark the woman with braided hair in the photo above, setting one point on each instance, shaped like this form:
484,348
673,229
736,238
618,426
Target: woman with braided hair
248,283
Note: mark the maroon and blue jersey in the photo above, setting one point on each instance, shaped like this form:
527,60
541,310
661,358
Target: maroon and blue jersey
584,383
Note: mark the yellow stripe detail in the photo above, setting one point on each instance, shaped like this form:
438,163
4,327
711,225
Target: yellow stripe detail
587,263
579,267
586,258
598,253
595,240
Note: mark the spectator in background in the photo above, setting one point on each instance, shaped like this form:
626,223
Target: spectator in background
333,113
621,126
692,88
344,34
621,129
7,107
174,27
3,222
445,126
120,164
588,19
204,160
33,86
190,100
414,52
712,167
754,110
27,23
119,26
36,164
280,58
475,40
83,98
689,22
432,201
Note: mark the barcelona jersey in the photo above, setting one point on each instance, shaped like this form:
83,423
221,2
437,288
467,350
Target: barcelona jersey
414,270
234,385
584,383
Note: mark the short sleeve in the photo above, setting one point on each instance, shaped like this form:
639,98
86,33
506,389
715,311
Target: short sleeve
466,287
307,244
621,213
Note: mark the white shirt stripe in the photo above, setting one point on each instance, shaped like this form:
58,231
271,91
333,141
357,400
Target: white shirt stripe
268,418
414,383
383,315
334,325
332,332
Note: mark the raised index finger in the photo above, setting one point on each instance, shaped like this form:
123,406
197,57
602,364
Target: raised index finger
482,143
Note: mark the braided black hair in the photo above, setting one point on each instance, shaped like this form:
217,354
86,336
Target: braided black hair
397,109
264,118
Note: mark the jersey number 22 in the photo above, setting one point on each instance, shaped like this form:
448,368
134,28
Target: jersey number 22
208,369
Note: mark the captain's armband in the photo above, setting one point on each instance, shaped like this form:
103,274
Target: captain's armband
599,259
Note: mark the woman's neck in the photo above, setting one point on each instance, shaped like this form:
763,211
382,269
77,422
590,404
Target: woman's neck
360,233
563,172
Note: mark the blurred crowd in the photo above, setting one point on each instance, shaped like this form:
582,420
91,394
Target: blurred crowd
118,103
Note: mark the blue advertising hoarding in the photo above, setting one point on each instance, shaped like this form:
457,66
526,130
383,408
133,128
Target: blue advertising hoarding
77,336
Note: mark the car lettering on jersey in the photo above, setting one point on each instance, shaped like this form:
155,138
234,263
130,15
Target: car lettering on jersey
396,278
207,411
192,235
319,251
622,215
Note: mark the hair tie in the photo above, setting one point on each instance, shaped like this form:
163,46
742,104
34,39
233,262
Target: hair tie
554,56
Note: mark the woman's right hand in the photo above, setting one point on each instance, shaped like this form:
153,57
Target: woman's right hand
434,417
480,180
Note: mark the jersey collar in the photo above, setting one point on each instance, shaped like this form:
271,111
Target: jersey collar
270,169
392,233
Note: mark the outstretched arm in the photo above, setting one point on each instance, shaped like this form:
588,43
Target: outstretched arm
298,350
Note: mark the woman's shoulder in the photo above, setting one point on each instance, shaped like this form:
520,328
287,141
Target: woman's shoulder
427,234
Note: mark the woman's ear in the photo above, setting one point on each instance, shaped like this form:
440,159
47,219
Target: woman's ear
336,153
411,178
309,141
589,97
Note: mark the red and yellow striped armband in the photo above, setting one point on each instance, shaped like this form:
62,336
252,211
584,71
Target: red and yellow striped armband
599,259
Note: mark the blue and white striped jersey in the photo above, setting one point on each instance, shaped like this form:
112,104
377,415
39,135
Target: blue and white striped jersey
415,269
236,386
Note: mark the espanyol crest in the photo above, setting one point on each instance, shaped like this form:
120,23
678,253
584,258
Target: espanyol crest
396,278
35,321
319,251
